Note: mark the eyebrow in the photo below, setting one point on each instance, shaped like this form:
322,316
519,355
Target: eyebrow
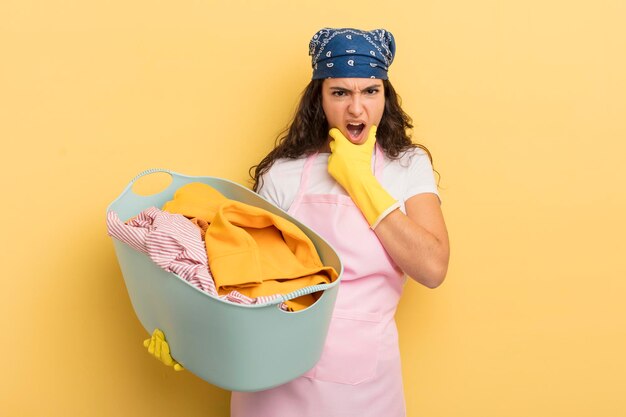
347,89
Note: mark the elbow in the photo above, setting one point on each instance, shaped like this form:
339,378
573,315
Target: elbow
434,283
439,269
434,280
435,274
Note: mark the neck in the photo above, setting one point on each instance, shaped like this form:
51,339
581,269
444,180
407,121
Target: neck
326,146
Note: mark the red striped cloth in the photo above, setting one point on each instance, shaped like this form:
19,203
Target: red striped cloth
175,244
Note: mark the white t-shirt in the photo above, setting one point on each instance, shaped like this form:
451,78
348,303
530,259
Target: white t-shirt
409,175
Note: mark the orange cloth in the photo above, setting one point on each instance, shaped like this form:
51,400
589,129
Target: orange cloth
251,250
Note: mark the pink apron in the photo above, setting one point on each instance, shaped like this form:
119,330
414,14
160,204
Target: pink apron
359,373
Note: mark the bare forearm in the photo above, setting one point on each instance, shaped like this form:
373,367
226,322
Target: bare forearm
417,251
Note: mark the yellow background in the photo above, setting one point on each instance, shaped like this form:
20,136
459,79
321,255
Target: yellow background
522,104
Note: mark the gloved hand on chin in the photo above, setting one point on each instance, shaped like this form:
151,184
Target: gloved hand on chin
160,349
350,165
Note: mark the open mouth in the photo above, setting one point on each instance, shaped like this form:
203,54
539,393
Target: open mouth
355,129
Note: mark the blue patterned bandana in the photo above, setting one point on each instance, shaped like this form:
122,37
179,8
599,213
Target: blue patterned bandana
351,53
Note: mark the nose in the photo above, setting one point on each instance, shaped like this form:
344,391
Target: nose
355,108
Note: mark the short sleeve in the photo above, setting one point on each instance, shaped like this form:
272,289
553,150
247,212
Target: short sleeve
420,175
268,190
279,185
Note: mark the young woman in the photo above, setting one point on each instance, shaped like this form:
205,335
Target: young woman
347,169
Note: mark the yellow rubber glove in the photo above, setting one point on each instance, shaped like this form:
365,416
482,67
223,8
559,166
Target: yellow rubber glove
158,347
351,166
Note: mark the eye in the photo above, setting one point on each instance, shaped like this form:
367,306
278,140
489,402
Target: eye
338,93
371,91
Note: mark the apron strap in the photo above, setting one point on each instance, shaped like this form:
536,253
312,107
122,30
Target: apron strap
304,182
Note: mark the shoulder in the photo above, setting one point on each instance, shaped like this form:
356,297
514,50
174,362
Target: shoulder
408,158
280,183
285,172
286,165
413,161
409,174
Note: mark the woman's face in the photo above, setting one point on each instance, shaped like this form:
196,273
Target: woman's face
353,105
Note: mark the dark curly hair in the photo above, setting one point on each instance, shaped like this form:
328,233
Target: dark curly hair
308,132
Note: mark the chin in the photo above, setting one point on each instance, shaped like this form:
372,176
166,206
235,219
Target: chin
360,141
